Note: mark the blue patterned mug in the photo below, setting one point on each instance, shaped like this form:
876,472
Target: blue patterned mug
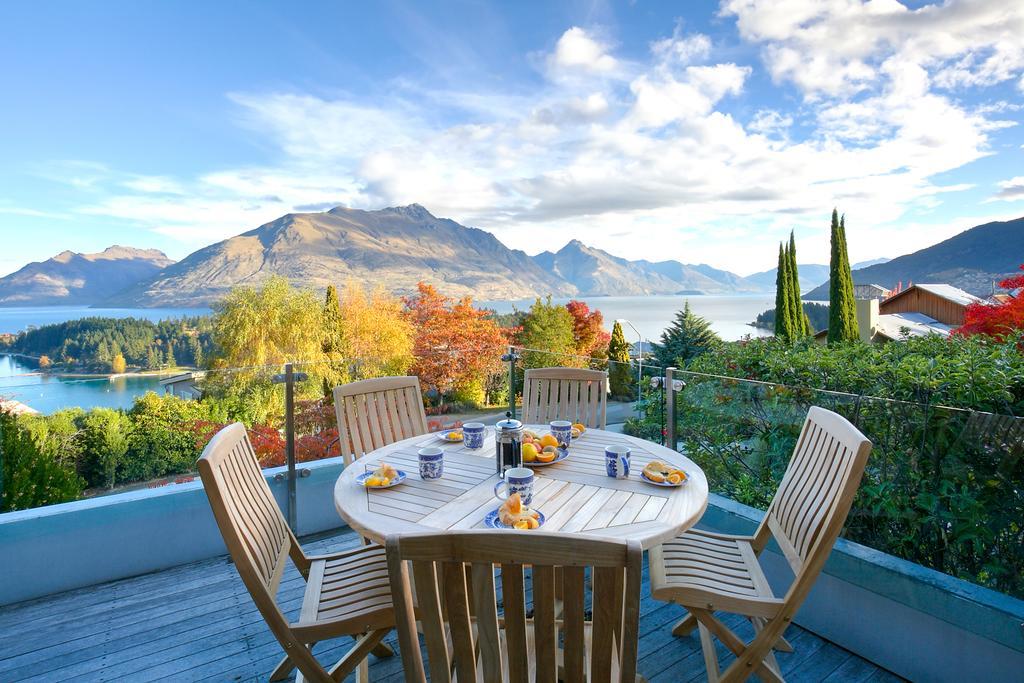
431,462
616,461
561,430
517,480
473,435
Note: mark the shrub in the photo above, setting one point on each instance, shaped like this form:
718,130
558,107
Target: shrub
34,470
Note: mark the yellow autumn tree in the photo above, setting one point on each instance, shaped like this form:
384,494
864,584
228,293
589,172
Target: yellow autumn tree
377,337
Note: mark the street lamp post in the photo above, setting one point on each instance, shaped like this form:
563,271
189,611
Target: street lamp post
639,361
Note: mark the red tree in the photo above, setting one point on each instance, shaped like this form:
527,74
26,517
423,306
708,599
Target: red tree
588,329
456,344
1000,319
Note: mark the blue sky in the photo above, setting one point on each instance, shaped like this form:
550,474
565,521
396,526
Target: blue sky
700,131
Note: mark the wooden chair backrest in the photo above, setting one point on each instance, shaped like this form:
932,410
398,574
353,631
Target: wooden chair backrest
373,413
573,394
254,530
814,498
440,564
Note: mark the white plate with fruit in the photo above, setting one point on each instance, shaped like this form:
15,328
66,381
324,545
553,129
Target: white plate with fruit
384,477
541,451
451,435
663,474
512,515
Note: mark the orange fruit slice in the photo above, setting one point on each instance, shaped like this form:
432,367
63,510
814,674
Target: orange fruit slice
547,455
579,427
522,524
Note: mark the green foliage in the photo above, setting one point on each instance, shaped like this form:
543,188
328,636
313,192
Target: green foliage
94,343
620,375
842,325
103,438
162,437
36,462
801,322
547,336
783,300
687,337
815,313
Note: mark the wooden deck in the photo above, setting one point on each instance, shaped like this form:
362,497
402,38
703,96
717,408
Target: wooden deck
197,623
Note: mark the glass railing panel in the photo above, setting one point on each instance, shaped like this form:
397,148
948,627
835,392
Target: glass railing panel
943,487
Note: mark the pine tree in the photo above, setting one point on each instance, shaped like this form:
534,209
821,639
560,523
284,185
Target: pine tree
152,362
620,374
334,341
197,352
687,337
842,319
801,323
783,301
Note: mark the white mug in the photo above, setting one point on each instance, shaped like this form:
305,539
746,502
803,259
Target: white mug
517,480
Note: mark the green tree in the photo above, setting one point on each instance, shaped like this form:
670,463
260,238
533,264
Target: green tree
196,351
103,354
842,321
37,463
103,436
547,336
620,373
118,364
152,361
334,346
687,337
169,360
802,322
783,300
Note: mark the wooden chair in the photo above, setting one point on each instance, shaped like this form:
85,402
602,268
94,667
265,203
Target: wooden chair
572,394
455,580
347,594
705,571
373,413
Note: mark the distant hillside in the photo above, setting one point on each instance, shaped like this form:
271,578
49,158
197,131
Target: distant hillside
395,248
594,272
972,261
76,279
811,275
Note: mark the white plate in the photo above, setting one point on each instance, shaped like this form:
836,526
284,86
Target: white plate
444,436
643,475
562,455
361,480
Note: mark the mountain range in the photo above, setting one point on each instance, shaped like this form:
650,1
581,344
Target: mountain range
398,247
974,260
80,279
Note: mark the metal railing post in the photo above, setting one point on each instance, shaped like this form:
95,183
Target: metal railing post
289,440
670,409
289,378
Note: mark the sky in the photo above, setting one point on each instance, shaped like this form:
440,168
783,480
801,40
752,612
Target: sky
698,131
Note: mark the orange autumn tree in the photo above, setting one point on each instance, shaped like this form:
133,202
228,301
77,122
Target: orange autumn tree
999,319
457,346
588,330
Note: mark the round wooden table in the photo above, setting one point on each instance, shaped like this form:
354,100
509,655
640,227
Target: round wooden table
575,495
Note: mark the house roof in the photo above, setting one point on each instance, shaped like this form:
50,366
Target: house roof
948,292
898,325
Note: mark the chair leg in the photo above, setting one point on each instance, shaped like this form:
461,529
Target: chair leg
707,646
782,645
685,626
357,655
382,650
282,670
750,658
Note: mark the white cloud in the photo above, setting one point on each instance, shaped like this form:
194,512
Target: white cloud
578,50
1011,190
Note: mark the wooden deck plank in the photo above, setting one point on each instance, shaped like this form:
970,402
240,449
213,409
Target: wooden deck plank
197,623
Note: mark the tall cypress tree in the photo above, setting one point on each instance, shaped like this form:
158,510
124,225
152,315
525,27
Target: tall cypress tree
842,314
783,299
620,372
801,323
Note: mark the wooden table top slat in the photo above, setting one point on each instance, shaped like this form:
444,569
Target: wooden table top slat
575,495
